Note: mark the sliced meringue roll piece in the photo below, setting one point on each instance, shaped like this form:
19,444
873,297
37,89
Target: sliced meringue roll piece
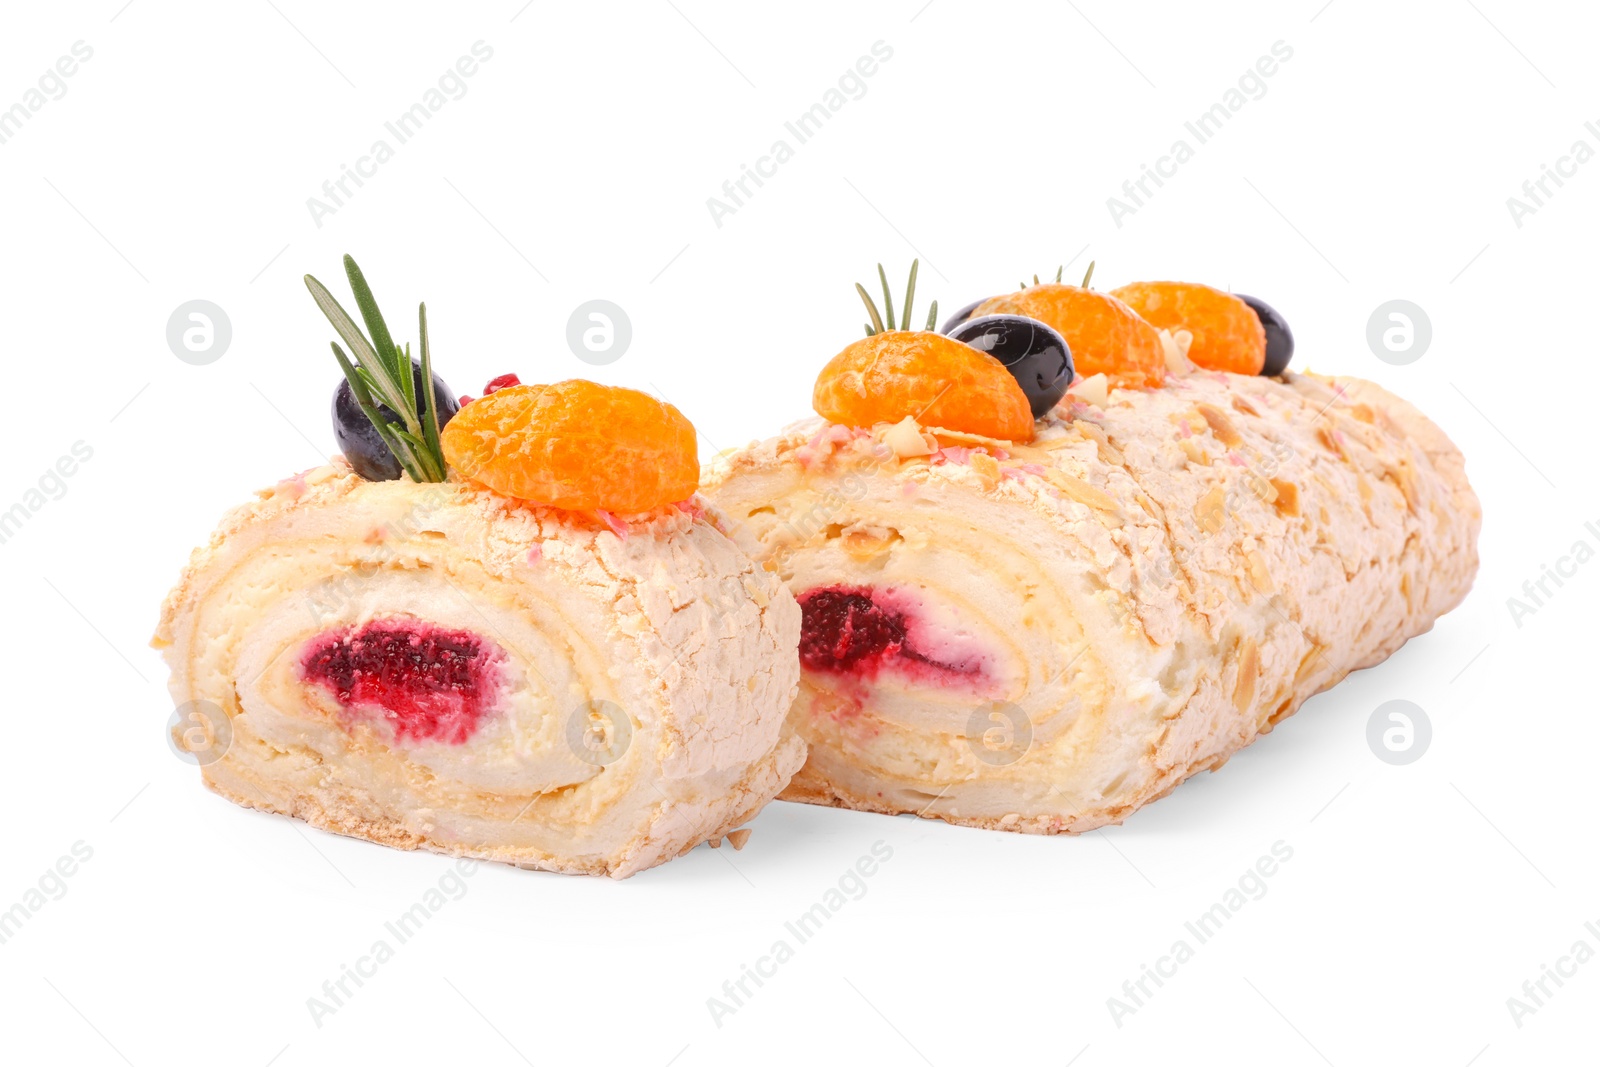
1045,637
437,666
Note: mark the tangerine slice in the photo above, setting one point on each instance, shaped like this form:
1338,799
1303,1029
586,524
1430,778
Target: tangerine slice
576,445
933,379
1227,333
1105,335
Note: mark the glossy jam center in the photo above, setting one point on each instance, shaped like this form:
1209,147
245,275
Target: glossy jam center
428,683
849,629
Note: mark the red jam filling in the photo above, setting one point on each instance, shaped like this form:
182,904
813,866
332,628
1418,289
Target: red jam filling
428,683
853,630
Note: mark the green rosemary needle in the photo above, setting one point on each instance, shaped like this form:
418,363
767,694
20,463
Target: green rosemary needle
380,377
886,321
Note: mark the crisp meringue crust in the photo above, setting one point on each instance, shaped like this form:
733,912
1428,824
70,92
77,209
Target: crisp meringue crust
1154,581
665,639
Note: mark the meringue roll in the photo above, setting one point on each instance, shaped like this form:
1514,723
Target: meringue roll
438,666
1044,637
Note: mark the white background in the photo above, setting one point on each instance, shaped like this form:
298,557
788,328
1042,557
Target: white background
577,166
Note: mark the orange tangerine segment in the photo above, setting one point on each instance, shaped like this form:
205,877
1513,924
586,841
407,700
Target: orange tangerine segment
576,445
1105,335
937,381
1227,334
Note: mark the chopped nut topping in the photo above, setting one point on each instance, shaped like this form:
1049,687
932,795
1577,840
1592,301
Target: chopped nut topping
1330,441
907,439
1081,491
1108,452
986,468
945,438
1259,576
1196,454
1403,478
1288,499
1226,432
1091,390
1175,351
1212,510
1244,687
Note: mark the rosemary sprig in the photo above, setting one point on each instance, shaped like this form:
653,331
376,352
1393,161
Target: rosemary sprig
1083,285
877,323
380,377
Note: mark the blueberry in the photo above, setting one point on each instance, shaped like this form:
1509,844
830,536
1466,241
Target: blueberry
358,438
959,317
1280,342
1036,356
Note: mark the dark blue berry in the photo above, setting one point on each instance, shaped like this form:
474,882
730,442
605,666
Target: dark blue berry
1036,356
358,438
959,317
1280,342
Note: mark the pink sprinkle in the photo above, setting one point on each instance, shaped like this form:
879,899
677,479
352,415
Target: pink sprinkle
1034,469
691,508
1000,453
1237,460
908,489
535,554
1338,436
957,454
295,486
828,435
618,527
1184,431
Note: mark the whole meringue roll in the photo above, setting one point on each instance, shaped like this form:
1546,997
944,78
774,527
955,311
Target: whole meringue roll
1044,637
